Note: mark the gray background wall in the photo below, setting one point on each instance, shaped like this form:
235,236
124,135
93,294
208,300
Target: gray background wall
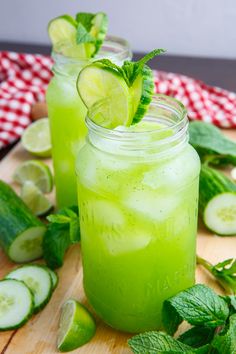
185,27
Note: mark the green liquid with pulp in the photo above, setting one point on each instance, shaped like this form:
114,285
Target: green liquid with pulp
138,233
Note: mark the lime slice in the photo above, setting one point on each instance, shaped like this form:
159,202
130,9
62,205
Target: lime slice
36,138
62,31
35,199
76,326
106,95
36,172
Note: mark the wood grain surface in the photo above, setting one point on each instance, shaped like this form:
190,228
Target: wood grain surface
38,336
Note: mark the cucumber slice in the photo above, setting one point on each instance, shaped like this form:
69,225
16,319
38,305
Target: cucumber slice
220,214
217,201
142,91
106,95
27,246
99,29
53,275
39,282
16,304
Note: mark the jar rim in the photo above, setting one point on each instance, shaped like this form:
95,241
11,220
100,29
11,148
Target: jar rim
159,100
159,141
111,42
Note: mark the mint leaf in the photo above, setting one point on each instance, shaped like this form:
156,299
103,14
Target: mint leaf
132,69
231,301
199,306
225,341
197,336
211,144
83,36
85,18
109,65
170,318
55,244
156,342
63,230
224,272
160,343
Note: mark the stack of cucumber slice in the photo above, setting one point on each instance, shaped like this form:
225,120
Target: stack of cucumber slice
23,292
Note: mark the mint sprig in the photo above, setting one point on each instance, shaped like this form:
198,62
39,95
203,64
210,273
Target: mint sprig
213,318
130,69
83,36
63,230
224,272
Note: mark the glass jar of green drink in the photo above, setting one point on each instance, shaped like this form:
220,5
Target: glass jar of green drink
138,197
65,108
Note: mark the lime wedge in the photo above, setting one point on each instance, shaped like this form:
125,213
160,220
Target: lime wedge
35,199
106,95
36,138
76,326
36,172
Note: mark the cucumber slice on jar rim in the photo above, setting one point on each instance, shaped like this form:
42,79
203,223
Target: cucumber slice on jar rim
220,214
16,304
38,281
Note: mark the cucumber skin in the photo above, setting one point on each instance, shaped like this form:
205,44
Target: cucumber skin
146,95
31,312
211,184
45,302
15,217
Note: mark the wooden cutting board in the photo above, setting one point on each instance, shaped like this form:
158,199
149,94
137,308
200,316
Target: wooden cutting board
39,335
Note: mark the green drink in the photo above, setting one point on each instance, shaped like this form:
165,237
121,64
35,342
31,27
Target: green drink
138,193
65,108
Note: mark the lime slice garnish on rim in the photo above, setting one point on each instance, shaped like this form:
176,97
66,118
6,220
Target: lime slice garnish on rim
36,172
34,199
76,326
36,138
96,84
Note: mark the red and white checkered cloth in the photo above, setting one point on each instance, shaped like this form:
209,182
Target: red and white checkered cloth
24,79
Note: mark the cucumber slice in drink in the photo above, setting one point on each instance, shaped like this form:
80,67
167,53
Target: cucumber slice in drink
16,304
35,172
76,326
217,201
39,282
106,95
35,199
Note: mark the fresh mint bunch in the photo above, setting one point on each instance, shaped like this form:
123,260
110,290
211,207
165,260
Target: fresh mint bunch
213,321
63,230
224,272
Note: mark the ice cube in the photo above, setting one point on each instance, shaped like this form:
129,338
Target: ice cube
156,206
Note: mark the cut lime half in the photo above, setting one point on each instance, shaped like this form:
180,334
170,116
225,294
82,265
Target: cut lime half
106,95
36,138
36,172
76,328
35,199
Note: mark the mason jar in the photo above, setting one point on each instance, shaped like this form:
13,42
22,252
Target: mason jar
138,201
67,114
